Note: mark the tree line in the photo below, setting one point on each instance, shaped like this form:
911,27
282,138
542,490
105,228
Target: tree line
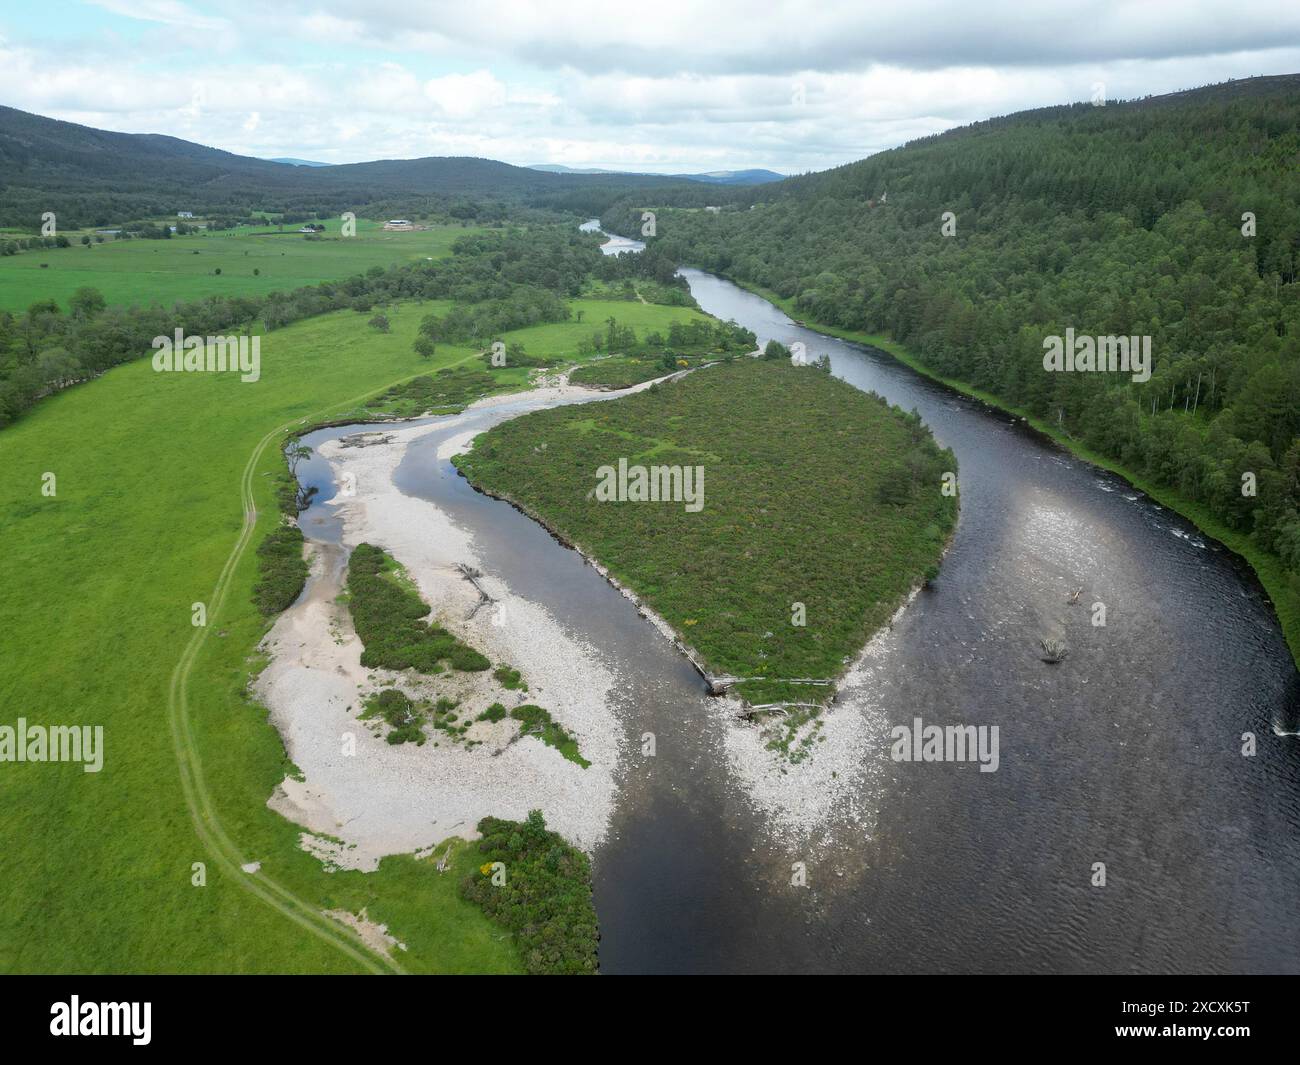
47,347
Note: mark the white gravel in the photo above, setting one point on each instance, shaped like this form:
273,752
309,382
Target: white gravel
396,799
840,783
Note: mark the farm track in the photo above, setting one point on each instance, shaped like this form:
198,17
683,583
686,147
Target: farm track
207,824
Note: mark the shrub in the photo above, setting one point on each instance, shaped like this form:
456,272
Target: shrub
546,898
536,721
509,678
401,714
389,620
283,570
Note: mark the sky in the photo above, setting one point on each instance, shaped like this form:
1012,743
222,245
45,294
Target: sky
657,86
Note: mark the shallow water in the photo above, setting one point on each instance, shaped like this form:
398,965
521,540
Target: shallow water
1127,753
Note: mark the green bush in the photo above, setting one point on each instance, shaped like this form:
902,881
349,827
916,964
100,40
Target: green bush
404,717
389,621
509,678
535,721
546,898
282,570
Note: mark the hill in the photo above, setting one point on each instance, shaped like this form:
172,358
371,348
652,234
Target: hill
299,162
717,177
92,177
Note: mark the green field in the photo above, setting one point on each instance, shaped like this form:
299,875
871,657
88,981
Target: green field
184,268
565,336
151,473
815,493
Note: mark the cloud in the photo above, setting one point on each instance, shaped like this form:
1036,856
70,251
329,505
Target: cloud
167,12
461,96
691,88
731,37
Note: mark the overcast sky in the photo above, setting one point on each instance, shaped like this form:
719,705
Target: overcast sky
657,86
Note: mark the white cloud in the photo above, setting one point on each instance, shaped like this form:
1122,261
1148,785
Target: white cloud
460,96
738,36
691,88
167,12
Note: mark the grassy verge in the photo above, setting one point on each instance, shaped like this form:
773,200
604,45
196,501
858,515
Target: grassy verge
99,869
445,392
822,508
283,570
1270,573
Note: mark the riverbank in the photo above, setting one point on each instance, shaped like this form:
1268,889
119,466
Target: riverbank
392,799
1268,571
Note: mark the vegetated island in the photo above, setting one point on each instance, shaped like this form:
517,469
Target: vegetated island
822,509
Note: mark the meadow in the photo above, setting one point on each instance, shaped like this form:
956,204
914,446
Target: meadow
591,315
147,508
251,261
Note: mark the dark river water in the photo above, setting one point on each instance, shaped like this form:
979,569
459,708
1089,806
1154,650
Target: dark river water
1128,753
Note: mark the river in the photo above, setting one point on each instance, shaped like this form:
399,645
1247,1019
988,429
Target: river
1128,753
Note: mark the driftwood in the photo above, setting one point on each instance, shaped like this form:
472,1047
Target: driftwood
719,684
774,708
367,439
472,575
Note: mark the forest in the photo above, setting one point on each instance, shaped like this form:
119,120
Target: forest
1176,218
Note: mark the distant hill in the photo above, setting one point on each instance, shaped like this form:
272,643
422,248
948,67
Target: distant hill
300,162
717,177
95,177
736,177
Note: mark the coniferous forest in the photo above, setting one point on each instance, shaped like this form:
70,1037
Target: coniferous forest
1177,218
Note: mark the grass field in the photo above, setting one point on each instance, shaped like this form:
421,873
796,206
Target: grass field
565,336
814,493
184,268
100,581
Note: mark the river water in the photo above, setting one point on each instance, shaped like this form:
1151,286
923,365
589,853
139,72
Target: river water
1128,753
